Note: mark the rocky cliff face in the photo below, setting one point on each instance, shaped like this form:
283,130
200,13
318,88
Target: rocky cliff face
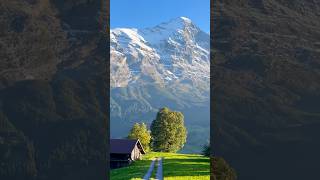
169,53
166,65
266,86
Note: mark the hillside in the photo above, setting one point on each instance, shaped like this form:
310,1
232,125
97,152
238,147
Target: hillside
166,65
266,86
53,102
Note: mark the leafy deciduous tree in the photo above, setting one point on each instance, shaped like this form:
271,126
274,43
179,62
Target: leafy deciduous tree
141,132
168,131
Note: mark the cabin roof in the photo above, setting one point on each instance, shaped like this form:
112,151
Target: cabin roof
124,146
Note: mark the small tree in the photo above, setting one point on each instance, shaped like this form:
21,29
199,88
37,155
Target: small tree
168,131
140,131
206,150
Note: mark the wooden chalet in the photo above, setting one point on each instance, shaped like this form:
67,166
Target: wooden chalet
124,151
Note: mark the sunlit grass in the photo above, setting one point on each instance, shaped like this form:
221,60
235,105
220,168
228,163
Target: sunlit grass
186,166
175,167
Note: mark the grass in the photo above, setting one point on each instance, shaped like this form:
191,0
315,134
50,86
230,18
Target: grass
175,167
133,172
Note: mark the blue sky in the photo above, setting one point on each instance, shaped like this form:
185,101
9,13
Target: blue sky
148,13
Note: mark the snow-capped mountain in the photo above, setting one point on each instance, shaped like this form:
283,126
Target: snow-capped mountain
173,52
166,65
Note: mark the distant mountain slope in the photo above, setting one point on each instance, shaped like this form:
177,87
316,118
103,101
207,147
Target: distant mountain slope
53,101
266,87
168,53
166,65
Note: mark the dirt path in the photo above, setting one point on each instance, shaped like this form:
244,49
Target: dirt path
148,174
159,175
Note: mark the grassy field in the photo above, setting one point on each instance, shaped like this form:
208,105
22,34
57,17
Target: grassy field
175,167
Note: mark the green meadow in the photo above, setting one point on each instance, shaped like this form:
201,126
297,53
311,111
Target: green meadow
175,167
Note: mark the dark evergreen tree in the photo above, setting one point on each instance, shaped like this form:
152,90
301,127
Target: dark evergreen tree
206,150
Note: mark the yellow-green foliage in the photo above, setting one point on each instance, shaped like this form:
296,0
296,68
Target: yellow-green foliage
140,131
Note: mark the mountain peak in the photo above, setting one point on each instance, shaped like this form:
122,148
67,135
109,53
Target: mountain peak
178,31
165,54
176,23
185,19
180,21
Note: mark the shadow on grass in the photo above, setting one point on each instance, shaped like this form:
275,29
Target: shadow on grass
186,167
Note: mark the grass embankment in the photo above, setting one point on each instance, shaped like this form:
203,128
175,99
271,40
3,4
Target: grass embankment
175,167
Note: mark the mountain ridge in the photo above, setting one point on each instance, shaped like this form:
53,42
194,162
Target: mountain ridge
151,47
